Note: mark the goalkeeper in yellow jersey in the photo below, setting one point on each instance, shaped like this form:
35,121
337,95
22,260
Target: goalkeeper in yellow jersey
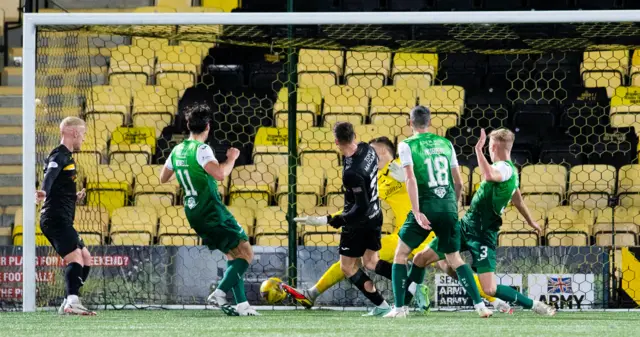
391,189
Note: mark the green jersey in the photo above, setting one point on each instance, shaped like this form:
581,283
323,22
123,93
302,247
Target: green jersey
203,205
433,158
484,216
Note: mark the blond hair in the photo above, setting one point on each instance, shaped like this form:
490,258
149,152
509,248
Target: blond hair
71,122
504,136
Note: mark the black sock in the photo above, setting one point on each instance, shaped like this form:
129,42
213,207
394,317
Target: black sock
73,278
358,280
85,273
383,268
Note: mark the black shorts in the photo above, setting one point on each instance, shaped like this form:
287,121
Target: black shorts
62,237
355,241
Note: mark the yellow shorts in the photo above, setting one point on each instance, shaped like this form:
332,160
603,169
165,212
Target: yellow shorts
390,242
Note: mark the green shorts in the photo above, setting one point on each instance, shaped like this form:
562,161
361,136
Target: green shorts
482,252
221,236
444,224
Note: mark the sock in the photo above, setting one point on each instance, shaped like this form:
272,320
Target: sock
416,276
412,288
85,273
384,269
465,276
235,272
482,293
399,283
358,280
313,293
331,277
509,294
238,289
73,278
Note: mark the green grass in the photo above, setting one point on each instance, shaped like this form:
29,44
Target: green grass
316,323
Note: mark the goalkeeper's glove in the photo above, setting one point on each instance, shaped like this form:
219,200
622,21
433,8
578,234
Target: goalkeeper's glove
333,221
397,172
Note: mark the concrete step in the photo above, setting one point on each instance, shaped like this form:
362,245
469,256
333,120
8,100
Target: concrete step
10,97
12,76
10,136
10,155
11,196
10,116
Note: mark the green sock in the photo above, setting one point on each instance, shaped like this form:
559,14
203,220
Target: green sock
238,288
416,274
233,274
399,281
509,294
465,277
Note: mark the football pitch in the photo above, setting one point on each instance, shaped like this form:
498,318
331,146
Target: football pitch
316,323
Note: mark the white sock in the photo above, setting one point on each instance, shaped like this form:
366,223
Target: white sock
479,305
496,303
384,305
243,305
73,299
219,292
412,288
313,293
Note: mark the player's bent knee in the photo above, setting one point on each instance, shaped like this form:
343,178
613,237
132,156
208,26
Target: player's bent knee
74,257
454,260
425,258
86,257
489,290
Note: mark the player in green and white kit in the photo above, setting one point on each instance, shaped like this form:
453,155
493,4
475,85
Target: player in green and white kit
198,172
434,185
481,224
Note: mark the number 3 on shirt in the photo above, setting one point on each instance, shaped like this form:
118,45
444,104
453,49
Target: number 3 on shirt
438,169
189,191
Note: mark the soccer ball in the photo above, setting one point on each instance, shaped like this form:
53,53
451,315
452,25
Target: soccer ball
271,291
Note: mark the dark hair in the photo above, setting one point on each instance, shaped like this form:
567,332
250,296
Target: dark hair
344,133
386,142
420,117
198,116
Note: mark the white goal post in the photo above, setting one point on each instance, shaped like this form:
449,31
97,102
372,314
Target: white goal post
32,21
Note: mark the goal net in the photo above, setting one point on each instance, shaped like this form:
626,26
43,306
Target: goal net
569,91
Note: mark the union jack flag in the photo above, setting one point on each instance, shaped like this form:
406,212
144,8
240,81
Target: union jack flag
559,285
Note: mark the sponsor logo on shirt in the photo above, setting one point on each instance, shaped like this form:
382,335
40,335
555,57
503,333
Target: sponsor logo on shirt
191,203
440,192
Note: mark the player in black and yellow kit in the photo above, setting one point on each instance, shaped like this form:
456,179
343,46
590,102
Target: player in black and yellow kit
60,197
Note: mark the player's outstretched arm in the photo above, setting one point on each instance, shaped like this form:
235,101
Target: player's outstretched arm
518,201
457,182
54,167
219,171
489,172
406,159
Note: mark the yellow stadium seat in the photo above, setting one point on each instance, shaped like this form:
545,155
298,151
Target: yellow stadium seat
246,218
443,99
321,239
252,185
92,222
132,145
272,240
148,181
271,227
154,107
465,174
591,185
307,108
178,81
18,228
544,184
152,43
413,70
318,211
309,184
134,226
317,145
392,99
335,200
270,147
621,221
606,68
179,59
177,4
131,81
343,102
319,68
567,226
110,187
86,162
367,132
629,185
625,107
367,69
515,231
109,100
225,5
131,59
174,229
